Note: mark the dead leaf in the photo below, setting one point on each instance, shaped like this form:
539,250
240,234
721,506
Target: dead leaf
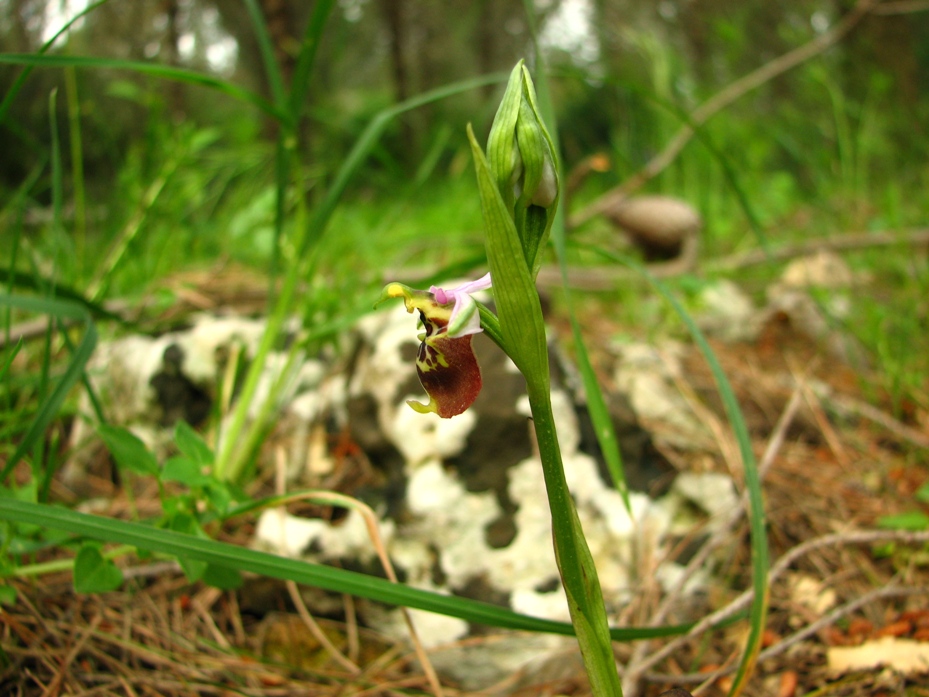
901,655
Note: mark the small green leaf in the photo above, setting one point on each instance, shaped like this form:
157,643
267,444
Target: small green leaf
184,471
93,573
922,493
191,444
913,520
7,595
128,451
220,496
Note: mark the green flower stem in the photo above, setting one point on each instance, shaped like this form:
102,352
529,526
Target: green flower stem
575,562
513,242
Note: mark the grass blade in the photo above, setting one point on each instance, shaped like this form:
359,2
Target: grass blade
24,75
61,309
165,72
368,139
329,578
272,69
308,47
756,517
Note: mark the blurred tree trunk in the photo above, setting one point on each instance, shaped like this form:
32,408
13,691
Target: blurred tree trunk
171,51
280,16
20,12
395,15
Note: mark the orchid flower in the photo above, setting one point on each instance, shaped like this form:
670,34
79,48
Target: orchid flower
445,362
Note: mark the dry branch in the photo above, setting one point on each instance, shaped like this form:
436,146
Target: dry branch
596,278
719,101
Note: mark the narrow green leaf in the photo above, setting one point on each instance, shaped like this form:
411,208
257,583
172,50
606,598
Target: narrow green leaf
366,142
95,310
21,78
93,573
329,578
266,49
128,451
157,69
186,524
11,355
756,515
307,56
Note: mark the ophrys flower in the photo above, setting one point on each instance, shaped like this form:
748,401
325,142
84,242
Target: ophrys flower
445,362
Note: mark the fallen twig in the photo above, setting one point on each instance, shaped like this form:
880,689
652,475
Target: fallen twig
638,663
741,602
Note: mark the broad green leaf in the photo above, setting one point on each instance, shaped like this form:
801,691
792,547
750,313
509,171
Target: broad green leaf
93,573
184,471
129,452
222,495
221,577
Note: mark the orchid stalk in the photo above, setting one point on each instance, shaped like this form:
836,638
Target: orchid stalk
518,186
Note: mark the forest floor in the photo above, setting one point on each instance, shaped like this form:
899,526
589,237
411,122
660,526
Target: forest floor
835,466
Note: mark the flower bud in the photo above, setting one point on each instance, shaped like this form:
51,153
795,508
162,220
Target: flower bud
522,158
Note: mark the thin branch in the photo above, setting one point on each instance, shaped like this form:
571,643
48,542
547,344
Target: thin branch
719,101
798,636
607,277
838,243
